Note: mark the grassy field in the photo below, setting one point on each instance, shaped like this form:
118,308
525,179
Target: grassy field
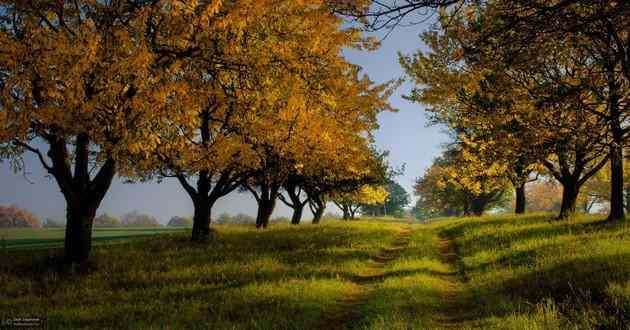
27,238
495,272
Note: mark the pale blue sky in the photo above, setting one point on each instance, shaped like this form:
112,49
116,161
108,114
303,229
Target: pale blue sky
403,133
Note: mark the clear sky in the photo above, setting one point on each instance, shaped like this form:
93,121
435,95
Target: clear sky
404,133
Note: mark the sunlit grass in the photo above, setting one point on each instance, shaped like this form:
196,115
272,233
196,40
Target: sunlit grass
285,277
524,272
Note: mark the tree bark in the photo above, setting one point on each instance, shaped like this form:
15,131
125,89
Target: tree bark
520,199
570,191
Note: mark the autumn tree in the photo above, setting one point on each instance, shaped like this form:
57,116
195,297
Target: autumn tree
14,217
393,205
514,115
594,32
454,185
87,80
351,202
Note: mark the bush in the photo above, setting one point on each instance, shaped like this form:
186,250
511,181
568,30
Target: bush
238,219
106,220
52,223
223,218
137,219
242,218
15,217
180,222
280,219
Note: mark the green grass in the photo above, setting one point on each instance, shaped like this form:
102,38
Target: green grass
28,238
284,277
508,273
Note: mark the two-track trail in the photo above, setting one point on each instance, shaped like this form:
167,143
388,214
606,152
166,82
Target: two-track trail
456,306
347,309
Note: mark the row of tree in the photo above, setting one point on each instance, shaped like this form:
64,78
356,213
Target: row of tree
220,95
526,87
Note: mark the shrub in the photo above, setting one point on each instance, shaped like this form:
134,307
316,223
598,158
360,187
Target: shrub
137,219
242,218
280,219
223,218
106,220
15,217
180,222
52,223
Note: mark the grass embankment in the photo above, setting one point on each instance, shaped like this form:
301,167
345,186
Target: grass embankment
285,277
495,272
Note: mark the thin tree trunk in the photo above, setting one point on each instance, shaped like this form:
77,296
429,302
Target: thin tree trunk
616,179
520,199
265,209
266,205
297,214
616,148
317,207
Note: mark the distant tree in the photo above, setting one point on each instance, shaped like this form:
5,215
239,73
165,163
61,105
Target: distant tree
137,219
106,220
53,223
350,202
180,222
394,205
15,217
544,196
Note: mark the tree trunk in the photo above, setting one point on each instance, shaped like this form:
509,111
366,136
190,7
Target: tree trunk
616,179
352,213
82,194
616,148
78,241
520,199
478,206
318,207
201,220
346,213
570,191
265,209
297,214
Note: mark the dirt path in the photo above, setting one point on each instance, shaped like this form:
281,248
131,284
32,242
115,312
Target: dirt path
346,309
456,306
